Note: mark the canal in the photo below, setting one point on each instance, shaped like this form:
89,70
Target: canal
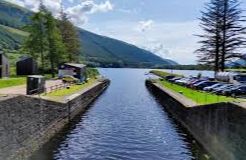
125,122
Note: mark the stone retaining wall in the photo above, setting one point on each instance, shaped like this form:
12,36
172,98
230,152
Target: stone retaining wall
26,123
220,128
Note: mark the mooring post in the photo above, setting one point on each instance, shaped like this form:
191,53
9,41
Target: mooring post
69,110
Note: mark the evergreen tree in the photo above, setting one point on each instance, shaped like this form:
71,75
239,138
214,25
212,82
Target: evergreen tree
70,38
233,32
56,49
223,36
45,40
36,43
210,23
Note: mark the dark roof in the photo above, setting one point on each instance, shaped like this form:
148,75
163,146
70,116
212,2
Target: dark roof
76,65
23,58
36,76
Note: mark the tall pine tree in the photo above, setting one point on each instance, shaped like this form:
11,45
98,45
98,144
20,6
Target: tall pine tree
36,44
232,31
223,36
56,49
70,38
45,41
209,52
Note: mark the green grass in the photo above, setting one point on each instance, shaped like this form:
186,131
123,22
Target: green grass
73,89
197,96
10,82
164,74
237,70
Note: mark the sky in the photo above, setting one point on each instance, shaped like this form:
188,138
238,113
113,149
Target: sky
164,27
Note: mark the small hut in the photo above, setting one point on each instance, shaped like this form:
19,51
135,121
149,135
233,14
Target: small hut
4,65
73,69
26,66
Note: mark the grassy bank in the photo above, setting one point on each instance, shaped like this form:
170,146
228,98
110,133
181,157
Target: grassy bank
237,70
71,90
164,74
197,96
10,82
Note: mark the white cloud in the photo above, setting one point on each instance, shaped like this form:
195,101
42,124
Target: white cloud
18,2
145,25
52,5
78,13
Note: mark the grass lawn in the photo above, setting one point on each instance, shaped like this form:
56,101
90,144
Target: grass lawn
73,89
10,82
237,70
197,96
164,74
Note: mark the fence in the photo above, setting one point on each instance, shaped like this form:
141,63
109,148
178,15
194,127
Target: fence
57,87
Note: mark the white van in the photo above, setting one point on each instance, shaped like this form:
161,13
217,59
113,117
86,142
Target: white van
231,77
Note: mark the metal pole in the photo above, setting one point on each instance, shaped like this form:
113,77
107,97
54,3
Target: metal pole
69,110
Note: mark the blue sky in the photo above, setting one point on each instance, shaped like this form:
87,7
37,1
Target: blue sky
165,27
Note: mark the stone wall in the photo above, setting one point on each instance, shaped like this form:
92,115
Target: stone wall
220,128
26,123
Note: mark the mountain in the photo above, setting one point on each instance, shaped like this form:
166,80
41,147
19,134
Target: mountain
98,50
238,63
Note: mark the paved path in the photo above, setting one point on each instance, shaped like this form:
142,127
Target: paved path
21,90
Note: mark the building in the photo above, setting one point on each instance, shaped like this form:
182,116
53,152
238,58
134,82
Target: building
26,66
4,65
72,69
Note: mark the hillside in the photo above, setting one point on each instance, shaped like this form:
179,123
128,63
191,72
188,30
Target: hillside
96,50
238,62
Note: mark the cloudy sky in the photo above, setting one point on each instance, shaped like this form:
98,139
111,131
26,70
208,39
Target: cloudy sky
165,27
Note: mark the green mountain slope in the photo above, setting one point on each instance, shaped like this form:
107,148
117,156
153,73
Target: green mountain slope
97,50
11,38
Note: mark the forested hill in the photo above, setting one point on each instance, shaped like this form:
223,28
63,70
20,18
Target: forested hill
98,50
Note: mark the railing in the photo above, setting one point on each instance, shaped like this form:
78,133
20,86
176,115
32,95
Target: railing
57,87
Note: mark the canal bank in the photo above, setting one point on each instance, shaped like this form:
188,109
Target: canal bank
126,122
219,128
27,123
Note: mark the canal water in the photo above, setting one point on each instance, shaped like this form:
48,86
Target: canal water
125,122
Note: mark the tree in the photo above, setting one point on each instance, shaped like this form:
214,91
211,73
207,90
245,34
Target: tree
211,24
56,49
36,44
45,40
233,32
70,38
223,33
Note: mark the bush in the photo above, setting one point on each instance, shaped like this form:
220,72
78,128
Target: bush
92,72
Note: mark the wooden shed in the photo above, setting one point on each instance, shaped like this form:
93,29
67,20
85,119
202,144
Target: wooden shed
26,66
